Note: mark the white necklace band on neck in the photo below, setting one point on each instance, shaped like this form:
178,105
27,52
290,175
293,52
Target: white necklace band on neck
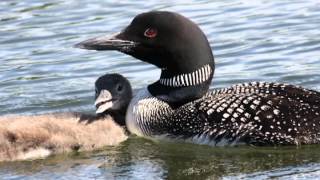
190,79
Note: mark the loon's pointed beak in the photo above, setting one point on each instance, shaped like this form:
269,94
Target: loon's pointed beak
113,42
103,101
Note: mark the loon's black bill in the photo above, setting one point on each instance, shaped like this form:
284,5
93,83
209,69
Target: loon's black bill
107,43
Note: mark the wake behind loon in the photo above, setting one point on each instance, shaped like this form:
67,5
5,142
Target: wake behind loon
179,105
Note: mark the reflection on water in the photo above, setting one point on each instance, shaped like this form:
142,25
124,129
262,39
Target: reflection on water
41,72
138,158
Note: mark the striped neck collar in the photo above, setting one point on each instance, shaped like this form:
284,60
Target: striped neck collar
196,77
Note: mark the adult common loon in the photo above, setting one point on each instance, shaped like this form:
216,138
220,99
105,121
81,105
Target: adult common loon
179,105
38,136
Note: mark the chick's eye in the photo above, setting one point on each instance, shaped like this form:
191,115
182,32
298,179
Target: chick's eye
119,88
151,33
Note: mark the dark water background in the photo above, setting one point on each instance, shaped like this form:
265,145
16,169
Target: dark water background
256,40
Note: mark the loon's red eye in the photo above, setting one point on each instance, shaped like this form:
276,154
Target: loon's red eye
151,33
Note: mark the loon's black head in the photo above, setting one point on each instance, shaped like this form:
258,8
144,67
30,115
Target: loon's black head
112,95
171,42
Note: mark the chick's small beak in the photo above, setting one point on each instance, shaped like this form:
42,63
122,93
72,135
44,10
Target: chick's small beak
113,42
103,101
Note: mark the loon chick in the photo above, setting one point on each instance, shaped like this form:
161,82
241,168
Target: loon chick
38,136
179,105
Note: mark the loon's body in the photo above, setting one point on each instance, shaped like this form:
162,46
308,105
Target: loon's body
179,104
256,113
38,136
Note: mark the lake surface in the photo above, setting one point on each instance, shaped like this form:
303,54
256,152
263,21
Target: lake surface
256,40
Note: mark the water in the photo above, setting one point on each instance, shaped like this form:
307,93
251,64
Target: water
256,40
